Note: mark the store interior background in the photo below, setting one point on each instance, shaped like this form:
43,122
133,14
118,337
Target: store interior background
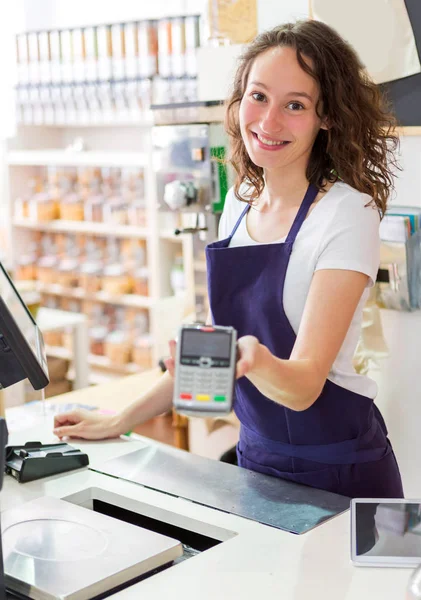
23,146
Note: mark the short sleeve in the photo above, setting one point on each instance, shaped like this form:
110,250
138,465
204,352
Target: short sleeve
351,240
222,227
228,217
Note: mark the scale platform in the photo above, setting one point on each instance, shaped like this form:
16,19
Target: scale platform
55,550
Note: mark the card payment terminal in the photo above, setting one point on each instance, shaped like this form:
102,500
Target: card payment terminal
205,370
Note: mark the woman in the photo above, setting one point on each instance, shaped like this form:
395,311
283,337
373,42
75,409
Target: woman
299,247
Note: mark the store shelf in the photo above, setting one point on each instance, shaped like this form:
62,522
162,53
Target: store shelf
130,300
95,377
94,360
142,121
58,352
53,319
64,158
104,362
171,237
101,362
105,229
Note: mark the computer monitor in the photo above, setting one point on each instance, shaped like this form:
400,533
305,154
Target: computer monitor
22,353
3,444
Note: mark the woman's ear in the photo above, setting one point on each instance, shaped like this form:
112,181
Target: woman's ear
325,124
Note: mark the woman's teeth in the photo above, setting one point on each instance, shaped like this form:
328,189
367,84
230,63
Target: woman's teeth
270,142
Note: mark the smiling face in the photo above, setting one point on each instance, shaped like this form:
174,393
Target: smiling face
278,118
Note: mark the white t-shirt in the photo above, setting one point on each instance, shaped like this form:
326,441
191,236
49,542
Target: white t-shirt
341,232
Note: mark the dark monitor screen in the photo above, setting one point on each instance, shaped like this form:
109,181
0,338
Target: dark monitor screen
22,353
214,344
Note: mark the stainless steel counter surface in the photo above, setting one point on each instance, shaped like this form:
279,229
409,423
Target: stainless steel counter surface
269,500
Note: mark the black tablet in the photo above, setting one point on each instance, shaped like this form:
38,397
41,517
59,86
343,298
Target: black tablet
385,532
22,353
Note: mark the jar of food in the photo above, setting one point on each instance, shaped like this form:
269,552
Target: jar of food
90,277
42,208
71,208
21,208
67,340
53,338
26,268
141,323
118,347
142,352
137,216
47,269
68,272
116,211
116,280
30,295
97,336
93,209
141,281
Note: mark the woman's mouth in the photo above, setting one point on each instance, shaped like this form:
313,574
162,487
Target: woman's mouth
269,144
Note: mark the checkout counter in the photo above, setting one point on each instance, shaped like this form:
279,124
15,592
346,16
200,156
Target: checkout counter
147,520
234,556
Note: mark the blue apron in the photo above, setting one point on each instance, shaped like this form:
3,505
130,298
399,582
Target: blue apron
340,443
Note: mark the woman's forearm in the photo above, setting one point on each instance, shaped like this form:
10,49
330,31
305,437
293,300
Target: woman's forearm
295,384
157,400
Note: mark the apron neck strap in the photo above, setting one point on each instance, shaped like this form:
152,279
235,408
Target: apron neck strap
240,218
308,200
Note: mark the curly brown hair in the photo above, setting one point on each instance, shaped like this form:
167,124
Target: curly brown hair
359,145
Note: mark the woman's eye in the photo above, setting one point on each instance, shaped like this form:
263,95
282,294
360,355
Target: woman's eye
295,106
258,96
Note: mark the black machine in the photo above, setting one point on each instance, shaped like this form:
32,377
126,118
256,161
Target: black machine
3,442
22,353
35,460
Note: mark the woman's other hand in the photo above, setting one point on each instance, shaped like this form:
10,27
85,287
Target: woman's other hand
170,362
87,425
248,348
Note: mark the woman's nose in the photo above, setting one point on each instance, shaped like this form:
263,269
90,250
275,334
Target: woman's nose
271,121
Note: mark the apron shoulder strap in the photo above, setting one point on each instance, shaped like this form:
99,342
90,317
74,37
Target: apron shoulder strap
240,218
308,200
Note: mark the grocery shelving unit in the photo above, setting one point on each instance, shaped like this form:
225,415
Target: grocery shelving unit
45,146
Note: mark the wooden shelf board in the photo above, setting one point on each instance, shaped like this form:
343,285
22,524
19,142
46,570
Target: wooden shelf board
101,362
58,352
131,300
64,158
59,226
171,237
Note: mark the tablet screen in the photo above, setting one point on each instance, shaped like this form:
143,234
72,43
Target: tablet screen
387,529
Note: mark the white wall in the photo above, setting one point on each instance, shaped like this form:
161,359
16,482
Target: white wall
408,181
43,14
51,14
274,12
399,397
